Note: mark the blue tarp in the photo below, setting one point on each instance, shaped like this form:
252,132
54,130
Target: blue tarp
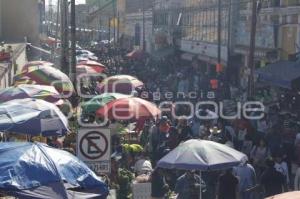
33,117
280,74
25,166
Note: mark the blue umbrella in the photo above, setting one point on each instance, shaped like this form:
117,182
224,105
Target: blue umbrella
35,170
201,155
33,117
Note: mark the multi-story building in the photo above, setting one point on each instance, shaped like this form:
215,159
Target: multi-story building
102,16
138,24
193,26
21,19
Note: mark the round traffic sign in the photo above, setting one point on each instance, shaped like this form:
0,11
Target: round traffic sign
93,145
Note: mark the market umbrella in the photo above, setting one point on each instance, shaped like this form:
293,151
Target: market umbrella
35,170
92,64
48,75
99,101
129,108
47,93
32,117
288,195
124,84
85,69
35,63
201,155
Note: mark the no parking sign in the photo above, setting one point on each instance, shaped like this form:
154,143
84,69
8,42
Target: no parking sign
93,147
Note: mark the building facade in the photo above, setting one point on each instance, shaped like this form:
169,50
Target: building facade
192,26
135,23
20,20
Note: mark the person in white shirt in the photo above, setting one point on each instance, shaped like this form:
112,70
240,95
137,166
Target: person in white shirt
281,166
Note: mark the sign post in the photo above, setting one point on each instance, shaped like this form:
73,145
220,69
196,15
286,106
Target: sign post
93,147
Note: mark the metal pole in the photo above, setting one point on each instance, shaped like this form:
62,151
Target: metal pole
144,29
109,29
252,49
114,7
56,31
219,31
118,27
64,39
73,42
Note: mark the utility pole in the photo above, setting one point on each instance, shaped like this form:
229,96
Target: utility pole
64,36
144,29
219,31
251,65
50,18
109,28
73,42
114,7
118,27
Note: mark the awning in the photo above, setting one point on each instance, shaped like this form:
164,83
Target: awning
282,74
162,53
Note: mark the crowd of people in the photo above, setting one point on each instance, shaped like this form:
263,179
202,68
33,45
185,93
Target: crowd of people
272,143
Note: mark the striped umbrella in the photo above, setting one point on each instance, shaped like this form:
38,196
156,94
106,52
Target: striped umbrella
99,101
48,75
47,93
124,84
32,117
35,63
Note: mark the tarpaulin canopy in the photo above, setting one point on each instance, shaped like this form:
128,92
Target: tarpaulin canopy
47,93
283,74
35,170
32,117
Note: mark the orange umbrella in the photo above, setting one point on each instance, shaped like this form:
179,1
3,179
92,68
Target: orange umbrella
288,195
128,108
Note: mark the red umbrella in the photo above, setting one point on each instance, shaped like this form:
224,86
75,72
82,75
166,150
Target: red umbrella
288,195
124,84
135,54
88,69
128,108
95,65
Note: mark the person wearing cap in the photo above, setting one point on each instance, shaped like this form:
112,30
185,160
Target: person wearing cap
184,130
142,165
